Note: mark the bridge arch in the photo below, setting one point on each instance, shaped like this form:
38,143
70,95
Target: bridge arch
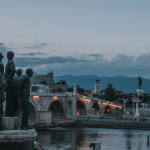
96,107
107,110
57,109
80,107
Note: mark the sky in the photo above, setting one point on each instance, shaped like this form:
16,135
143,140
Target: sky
78,37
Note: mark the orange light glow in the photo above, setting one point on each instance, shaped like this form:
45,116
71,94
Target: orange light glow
77,113
84,96
119,107
104,103
108,110
85,100
97,113
36,97
55,98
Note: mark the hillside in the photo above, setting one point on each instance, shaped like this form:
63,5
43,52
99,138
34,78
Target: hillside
126,84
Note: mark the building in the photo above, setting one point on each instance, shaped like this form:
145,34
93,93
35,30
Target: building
47,80
97,87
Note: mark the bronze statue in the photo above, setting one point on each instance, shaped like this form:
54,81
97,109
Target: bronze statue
17,92
140,82
1,70
8,77
25,104
1,64
2,98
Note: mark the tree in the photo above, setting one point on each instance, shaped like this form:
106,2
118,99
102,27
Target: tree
80,90
110,94
70,89
145,97
63,82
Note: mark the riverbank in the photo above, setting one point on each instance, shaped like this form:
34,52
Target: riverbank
142,123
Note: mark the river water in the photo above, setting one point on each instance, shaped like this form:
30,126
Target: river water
80,138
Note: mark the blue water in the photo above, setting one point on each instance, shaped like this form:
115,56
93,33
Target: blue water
80,138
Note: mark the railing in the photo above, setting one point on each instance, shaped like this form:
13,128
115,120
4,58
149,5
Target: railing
46,94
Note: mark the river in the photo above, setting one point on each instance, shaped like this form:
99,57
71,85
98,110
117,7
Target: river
80,138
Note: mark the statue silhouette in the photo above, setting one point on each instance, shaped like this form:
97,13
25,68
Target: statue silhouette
140,82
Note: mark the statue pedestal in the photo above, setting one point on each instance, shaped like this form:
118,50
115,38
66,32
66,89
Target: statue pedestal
139,92
10,123
12,138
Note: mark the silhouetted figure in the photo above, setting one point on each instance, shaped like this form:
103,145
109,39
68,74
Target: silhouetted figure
1,69
26,82
1,64
2,98
140,82
8,77
17,92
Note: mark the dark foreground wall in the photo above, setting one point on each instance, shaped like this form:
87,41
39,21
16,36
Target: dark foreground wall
17,146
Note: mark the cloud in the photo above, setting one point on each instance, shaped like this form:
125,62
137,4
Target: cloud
36,40
1,44
43,44
54,50
95,55
37,46
34,47
39,53
121,65
32,54
34,61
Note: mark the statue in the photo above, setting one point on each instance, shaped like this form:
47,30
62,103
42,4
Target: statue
1,64
1,69
2,98
17,92
8,77
140,82
26,82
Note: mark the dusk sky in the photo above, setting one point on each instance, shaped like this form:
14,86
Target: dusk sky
78,37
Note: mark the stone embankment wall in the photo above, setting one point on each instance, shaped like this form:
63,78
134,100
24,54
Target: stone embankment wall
110,123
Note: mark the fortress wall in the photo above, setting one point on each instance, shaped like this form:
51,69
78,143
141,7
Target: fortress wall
48,78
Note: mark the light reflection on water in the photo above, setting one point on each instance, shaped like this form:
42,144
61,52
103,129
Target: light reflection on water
80,138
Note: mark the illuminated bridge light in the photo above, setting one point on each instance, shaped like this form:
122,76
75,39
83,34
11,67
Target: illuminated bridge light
36,97
55,98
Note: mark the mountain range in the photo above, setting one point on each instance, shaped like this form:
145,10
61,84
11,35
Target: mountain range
125,84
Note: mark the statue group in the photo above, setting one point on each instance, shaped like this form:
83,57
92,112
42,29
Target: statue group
17,90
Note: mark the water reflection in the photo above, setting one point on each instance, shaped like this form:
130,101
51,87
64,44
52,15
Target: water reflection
80,138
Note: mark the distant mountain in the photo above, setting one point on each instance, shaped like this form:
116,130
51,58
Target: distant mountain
126,84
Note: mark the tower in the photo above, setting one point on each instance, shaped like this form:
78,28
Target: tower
97,87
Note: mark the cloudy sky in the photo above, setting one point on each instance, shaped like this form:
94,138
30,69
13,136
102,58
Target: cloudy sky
78,37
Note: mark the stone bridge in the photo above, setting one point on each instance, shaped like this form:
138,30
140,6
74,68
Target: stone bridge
65,107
